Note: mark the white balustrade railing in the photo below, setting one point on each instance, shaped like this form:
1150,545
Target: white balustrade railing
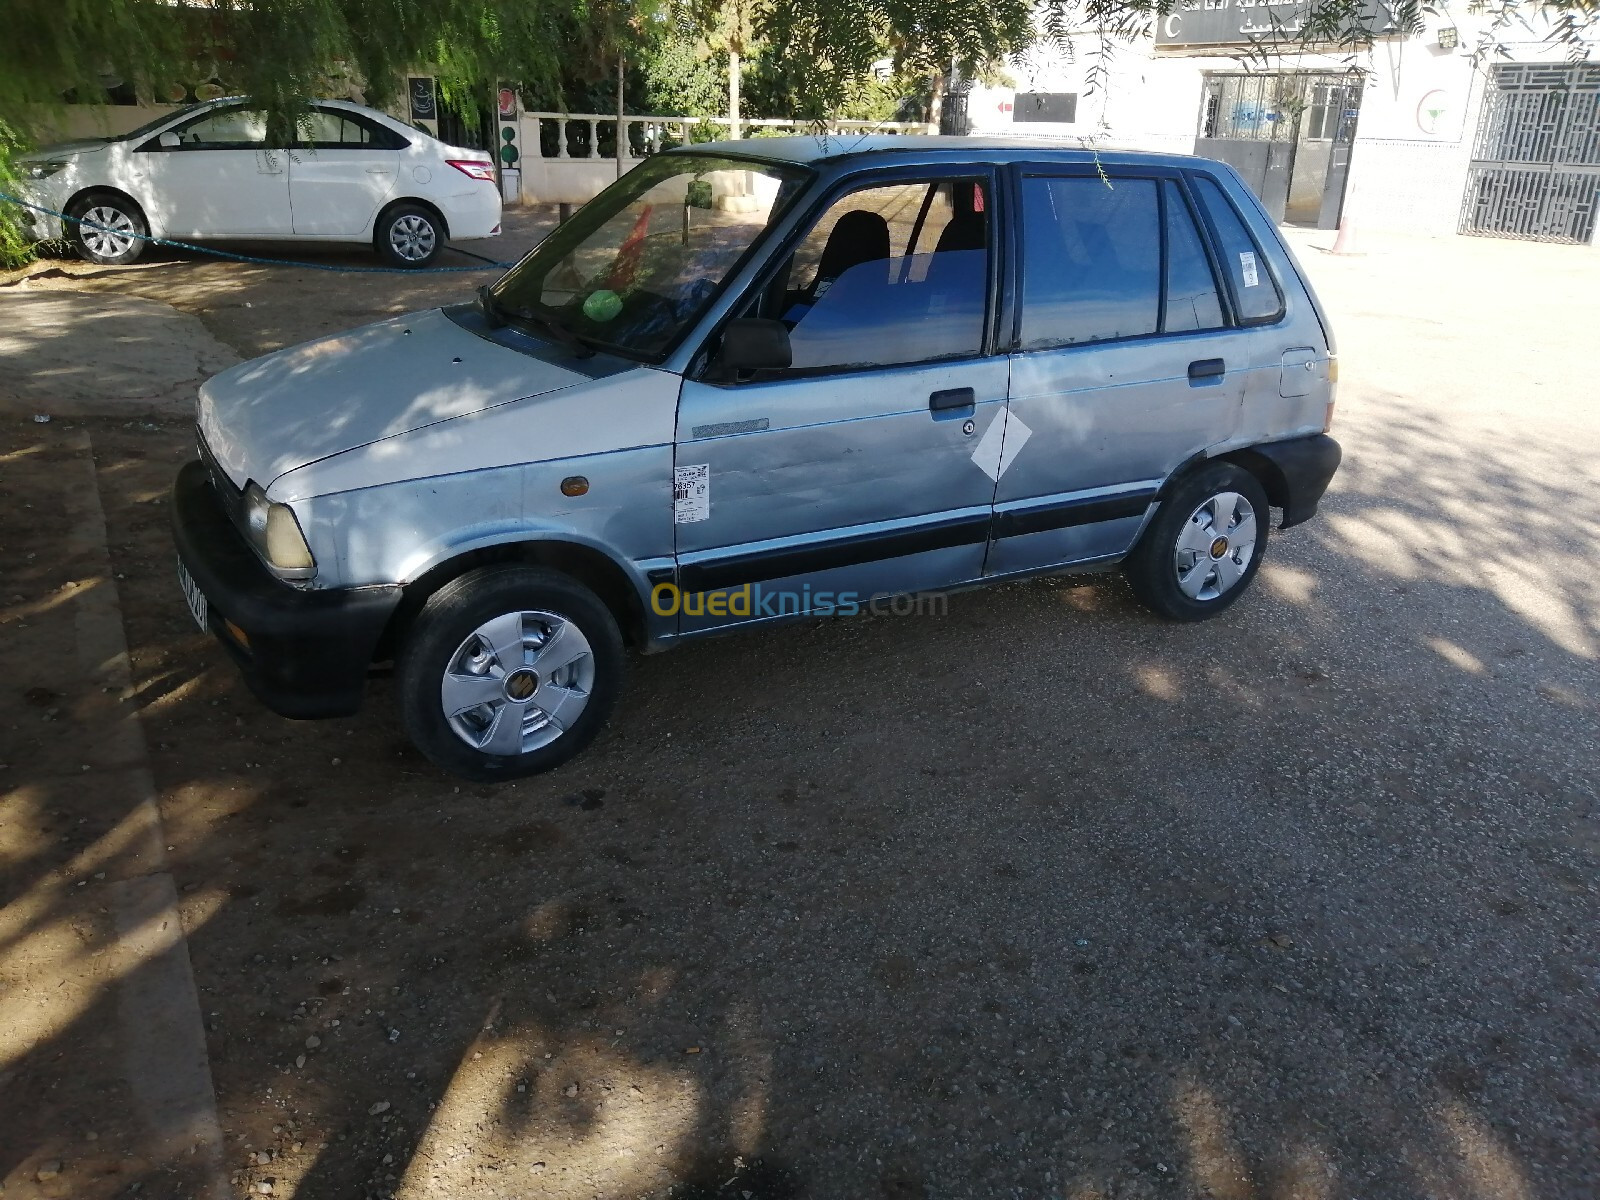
654,131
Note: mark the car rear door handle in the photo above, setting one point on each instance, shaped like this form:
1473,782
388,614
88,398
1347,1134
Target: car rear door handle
952,398
1207,368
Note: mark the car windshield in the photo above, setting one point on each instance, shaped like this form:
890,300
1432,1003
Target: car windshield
152,126
638,265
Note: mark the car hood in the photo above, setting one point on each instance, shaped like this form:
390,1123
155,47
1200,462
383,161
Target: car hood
64,150
263,418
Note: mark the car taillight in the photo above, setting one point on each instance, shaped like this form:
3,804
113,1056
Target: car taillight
1333,392
473,168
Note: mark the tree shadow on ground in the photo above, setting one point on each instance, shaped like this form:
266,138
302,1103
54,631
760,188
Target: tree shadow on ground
1042,897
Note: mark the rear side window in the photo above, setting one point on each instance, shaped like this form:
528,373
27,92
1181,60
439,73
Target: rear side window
1091,260
1255,292
326,127
1192,300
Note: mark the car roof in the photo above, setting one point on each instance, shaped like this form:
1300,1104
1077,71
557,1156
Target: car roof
827,148
217,101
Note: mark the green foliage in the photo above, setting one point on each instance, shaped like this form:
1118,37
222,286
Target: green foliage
803,59
15,249
682,74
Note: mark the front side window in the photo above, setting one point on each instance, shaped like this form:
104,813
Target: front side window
225,129
1091,260
888,276
638,265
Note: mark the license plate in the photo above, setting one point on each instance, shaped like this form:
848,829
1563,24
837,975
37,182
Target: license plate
199,609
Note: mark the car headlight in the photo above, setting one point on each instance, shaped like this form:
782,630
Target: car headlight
276,535
43,170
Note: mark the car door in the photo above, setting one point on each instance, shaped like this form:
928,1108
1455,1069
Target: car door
1128,361
850,475
216,175
342,175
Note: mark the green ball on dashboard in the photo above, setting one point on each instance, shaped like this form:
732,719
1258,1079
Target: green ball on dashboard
602,306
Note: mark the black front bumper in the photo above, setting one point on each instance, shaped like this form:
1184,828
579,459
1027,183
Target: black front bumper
304,653
1297,472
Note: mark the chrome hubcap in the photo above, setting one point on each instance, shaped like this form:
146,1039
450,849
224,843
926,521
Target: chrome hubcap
1215,546
108,231
412,237
517,682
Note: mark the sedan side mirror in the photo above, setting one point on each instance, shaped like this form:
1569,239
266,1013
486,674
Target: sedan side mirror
755,344
168,141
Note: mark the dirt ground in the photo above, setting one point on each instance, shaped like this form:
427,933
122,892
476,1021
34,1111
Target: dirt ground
1042,897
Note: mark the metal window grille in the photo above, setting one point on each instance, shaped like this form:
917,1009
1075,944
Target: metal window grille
1535,171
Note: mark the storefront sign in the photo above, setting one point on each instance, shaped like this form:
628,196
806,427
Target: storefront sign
1237,22
420,89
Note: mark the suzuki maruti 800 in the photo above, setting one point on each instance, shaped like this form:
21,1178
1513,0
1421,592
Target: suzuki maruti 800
751,381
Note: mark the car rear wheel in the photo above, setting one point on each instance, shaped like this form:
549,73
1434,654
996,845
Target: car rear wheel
107,229
409,235
508,671
1204,545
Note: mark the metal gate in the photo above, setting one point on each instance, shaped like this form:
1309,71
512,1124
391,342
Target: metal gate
1289,133
1535,172
954,119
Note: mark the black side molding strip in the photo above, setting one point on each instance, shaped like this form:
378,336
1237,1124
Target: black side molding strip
1087,510
737,569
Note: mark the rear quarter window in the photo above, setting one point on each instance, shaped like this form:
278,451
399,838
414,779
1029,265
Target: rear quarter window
1256,296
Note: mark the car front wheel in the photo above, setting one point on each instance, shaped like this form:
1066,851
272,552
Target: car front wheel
107,229
508,671
409,235
1204,545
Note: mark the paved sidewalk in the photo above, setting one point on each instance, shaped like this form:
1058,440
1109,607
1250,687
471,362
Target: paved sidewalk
72,353
101,1022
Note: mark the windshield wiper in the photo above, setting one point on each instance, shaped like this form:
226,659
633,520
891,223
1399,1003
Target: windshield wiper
498,314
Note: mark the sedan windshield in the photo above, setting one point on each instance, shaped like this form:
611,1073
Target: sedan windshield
637,266
152,126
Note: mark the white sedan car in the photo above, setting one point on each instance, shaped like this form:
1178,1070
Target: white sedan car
211,170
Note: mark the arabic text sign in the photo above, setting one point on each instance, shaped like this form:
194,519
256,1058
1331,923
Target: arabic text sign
1231,22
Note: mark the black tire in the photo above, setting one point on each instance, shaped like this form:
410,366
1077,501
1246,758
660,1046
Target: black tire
408,235
114,213
439,639
1153,567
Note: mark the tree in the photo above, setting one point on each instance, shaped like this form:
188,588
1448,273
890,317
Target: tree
730,27
281,51
839,39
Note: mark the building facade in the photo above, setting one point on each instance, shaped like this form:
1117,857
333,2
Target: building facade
1420,134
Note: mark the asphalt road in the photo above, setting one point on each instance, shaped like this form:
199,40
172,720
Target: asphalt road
1040,897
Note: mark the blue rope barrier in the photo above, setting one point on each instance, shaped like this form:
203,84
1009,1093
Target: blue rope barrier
488,265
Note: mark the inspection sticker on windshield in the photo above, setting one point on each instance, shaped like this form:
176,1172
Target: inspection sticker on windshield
691,494
1247,264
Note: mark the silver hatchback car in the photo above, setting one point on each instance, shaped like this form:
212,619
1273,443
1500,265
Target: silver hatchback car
754,381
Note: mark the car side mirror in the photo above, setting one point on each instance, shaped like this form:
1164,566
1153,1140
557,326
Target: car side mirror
754,344
168,141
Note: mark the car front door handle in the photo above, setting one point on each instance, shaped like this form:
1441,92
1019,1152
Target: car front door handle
952,398
1207,368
